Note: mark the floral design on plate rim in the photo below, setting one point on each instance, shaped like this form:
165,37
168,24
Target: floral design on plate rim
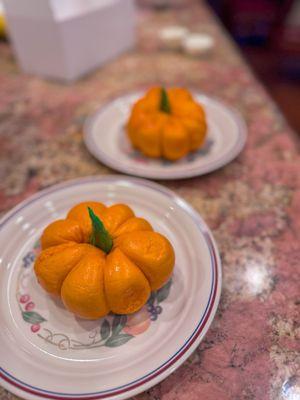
113,331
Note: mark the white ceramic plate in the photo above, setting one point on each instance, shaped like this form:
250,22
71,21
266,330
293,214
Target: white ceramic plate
106,139
45,352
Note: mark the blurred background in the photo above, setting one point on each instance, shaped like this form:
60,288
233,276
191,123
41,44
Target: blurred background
268,35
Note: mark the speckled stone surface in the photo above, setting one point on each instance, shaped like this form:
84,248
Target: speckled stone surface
252,205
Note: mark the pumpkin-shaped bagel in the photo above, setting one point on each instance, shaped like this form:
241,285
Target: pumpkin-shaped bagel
101,259
167,123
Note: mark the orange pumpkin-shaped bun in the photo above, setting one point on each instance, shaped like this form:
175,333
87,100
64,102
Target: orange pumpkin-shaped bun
101,259
167,123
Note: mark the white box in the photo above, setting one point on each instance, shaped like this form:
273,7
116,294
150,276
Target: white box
64,39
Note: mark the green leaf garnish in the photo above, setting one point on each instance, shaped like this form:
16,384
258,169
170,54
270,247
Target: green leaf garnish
164,101
99,237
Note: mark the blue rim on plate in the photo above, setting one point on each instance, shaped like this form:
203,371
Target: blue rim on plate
14,384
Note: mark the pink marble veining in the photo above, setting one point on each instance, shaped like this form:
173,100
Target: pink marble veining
252,205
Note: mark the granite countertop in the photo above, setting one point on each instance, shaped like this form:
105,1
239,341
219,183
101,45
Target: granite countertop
252,205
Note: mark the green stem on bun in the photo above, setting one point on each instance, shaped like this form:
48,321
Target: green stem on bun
99,236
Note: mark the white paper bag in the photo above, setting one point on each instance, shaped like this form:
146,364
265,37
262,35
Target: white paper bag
65,39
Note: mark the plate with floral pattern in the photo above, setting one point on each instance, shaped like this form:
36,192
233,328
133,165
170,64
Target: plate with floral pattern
106,139
47,352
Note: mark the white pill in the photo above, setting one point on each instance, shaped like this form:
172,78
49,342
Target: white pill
173,36
197,43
